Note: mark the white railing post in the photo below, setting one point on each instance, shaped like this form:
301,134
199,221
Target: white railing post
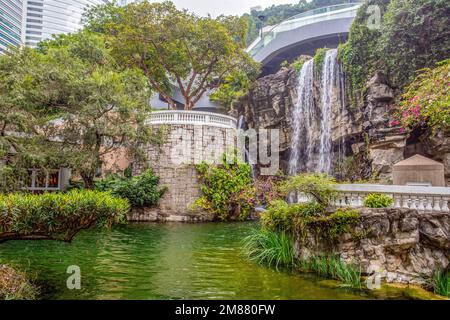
192,117
429,206
408,197
397,201
445,204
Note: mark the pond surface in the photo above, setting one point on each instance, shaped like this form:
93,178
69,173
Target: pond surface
163,261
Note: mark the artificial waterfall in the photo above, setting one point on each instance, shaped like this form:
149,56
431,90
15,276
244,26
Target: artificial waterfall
311,144
303,116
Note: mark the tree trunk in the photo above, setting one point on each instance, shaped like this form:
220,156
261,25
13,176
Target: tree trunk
189,103
172,105
88,180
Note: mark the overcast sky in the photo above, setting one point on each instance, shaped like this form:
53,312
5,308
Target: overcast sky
228,7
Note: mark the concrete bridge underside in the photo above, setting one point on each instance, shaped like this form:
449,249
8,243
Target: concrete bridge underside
305,40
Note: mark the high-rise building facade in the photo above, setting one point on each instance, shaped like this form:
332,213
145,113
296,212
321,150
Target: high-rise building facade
45,18
11,19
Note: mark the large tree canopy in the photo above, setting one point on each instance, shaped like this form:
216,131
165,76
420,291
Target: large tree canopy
174,47
69,103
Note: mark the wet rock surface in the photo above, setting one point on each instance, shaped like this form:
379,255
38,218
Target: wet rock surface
362,136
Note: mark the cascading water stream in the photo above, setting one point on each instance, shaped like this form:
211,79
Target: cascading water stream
241,128
311,151
303,116
327,94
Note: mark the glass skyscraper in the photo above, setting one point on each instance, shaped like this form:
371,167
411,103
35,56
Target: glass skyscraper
47,17
11,19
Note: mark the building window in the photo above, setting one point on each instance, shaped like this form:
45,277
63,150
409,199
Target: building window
34,9
34,27
39,4
34,32
41,180
53,179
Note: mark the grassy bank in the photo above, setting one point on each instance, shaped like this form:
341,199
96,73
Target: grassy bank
276,249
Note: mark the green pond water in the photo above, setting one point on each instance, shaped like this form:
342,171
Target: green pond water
164,261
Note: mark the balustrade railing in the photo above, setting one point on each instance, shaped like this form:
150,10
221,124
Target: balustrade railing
411,197
192,117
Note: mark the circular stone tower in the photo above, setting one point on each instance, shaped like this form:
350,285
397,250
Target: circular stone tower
190,137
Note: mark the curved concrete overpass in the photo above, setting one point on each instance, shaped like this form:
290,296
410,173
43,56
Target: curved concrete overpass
303,34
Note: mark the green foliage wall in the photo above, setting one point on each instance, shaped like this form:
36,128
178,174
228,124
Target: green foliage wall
412,35
228,190
141,190
359,55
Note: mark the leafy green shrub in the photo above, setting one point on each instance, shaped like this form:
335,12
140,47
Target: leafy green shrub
270,248
299,62
377,200
414,35
14,285
58,216
227,191
329,227
319,58
319,186
359,55
141,190
333,267
280,215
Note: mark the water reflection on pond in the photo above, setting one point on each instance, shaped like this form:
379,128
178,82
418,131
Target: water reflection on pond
164,261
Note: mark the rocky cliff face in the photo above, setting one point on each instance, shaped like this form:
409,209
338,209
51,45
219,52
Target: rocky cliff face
400,245
364,145
269,105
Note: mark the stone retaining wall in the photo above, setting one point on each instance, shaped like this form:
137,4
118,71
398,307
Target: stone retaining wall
400,245
174,162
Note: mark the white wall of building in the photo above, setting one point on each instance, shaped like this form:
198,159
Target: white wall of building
45,18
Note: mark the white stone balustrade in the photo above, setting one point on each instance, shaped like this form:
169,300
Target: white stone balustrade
411,197
177,117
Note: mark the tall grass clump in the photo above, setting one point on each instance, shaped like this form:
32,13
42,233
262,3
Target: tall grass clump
333,267
270,248
441,282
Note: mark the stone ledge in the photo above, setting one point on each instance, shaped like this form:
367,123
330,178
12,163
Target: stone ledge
402,244
158,215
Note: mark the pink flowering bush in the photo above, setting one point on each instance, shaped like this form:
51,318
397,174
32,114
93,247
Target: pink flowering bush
426,101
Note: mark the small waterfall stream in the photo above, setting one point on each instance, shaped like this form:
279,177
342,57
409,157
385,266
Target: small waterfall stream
311,151
327,93
241,128
303,116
